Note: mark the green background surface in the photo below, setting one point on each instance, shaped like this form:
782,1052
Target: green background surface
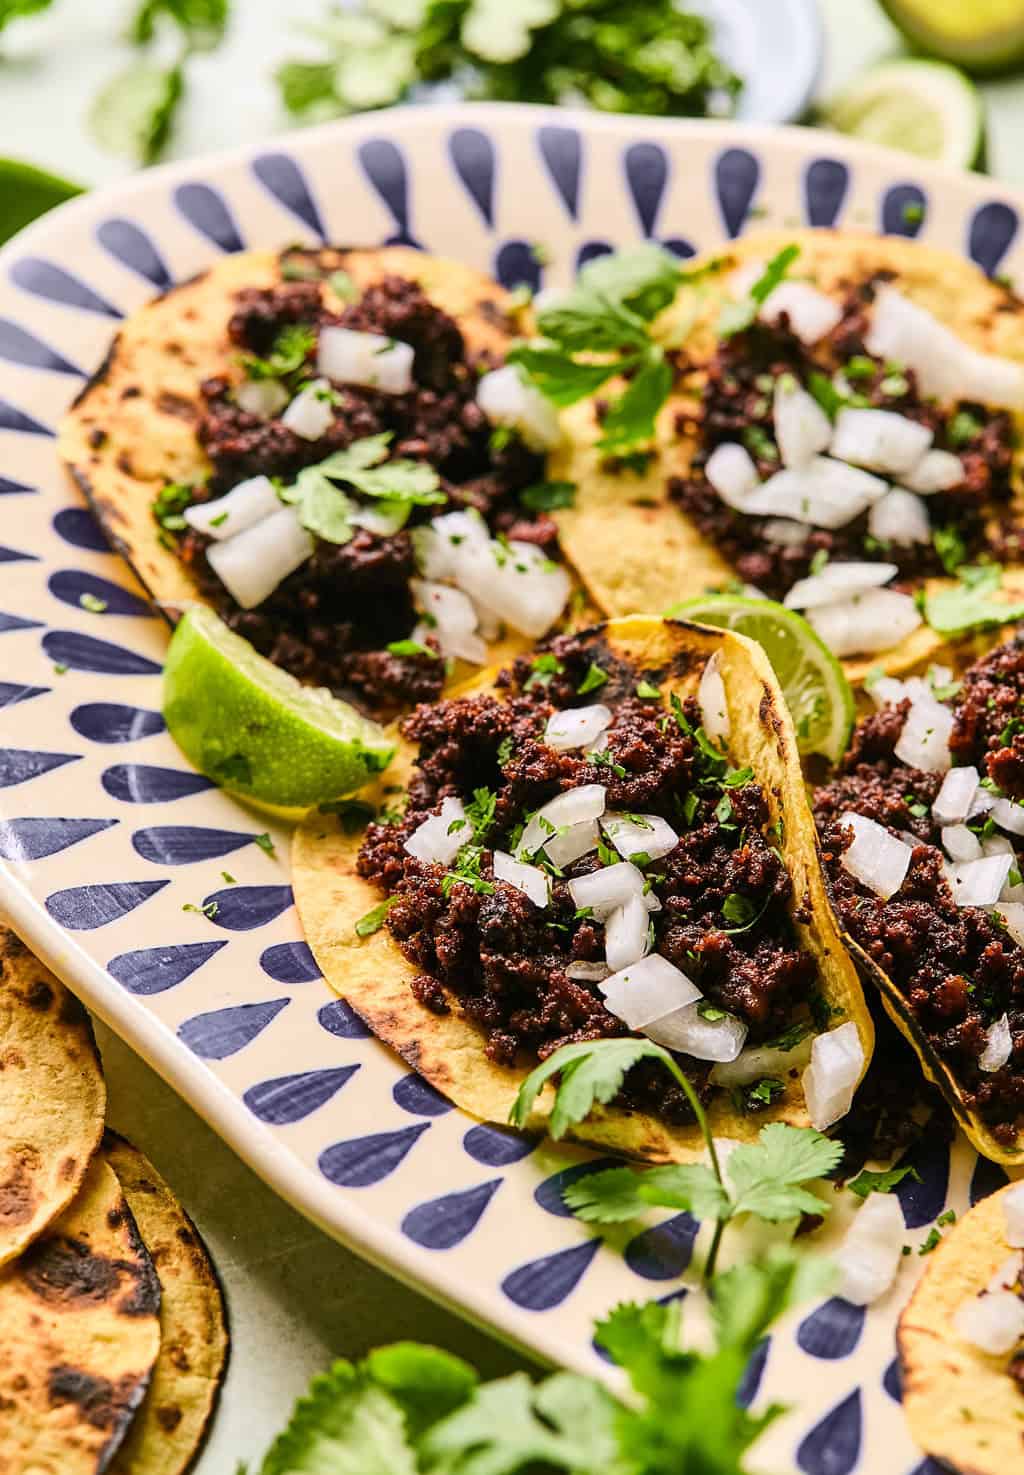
296,1298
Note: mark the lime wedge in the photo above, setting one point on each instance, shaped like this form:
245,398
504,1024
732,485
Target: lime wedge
813,682
923,107
255,730
978,35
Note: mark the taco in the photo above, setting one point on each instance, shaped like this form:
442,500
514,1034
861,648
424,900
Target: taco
324,446
961,1342
842,444
609,837
922,832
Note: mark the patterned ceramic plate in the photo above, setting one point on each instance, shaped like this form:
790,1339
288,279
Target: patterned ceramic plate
109,845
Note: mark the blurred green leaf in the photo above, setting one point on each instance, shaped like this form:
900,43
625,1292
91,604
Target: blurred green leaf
132,115
26,193
14,9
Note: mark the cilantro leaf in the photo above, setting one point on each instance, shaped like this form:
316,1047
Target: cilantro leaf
288,353
547,496
346,1425
592,322
132,115
202,22
883,1181
624,1193
324,509
412,648
736,317
400,480
557,375
373,920
969,606
594,679
427,1383
749,1297
480,811
766,1175
631,419
592,1072
645,279
15,9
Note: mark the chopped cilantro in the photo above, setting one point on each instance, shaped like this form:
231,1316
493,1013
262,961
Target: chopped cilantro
736,317
505,750
208,909
412,648
169,504
822,389
760,444
543,669
228,878
710,1012
968,606
92,603
373,920
950,547
547,496
593,680
264,842
343,286
467,871
933,1240
885,1181
723,810
859,367
765,1091
948,1217
819,561
647,691
290,350
605,760
480,811
963,428
912,212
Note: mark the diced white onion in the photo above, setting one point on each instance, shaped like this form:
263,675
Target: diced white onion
311,413
530,880
879,440
732,474
252,564
945,366
839,582
977,883
437,543
993,1323
783,533
981,804
577,727
954,799
996,845
264,398
802,429
369,359
244,506
887,691
924,741
714,709
687,1031
866,623
627,936
825,494
506,399
573,807
1012,913
605,890
837,1061
562,849
998,1045
440,837
869,1257
450,608
518,583
583,972
762,1060
876,859
1006,1276
1013,1213
960,843
647,991
937,471
1009,816
900,517
811,314
646,834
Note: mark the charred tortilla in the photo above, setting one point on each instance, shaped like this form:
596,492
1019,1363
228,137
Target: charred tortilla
630,541
374,975
79,1336
52,1096
169,1428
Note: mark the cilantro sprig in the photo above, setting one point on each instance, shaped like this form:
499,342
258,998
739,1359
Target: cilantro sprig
400,485
969,606
736,317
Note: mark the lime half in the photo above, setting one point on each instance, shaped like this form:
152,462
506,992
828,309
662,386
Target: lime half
813,682
978,35
254,729
923,107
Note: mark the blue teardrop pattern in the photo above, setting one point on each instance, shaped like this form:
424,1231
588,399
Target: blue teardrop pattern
419,1098
990,235
9,488
84,908
19,346
922,1202
549,1195
10,623
833,1446
244,908
384,167
112,722
77,526
753,1373
184,845
892,1382
290,962
223,1032
903,210
131,246
497,1147
12,555
11,418
45,279
679,247
70,586
929,1466
101,657
591,250
646,166
832,1331
153,970
516,265
290,1099
341,1020
540,1285
280,176
472,156
988,1177
737,176
19,765
361,1162
144,783
13,692
34,839
445,1222
825,185
663,1252
562,152
206,211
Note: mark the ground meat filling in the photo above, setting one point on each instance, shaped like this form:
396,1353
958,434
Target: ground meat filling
956,966
736,405
989,727
332,620
486,950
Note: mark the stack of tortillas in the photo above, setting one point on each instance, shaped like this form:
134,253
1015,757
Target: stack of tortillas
113,1339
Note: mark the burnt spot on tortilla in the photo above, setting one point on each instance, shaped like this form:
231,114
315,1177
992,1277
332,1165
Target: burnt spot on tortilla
168,1416
97,438
18,1192
65,1272
39,995
125,464
179,1357
68,1169
177,405
100,1401
131,391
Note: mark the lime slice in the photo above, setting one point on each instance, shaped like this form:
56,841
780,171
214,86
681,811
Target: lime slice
923,107
978,35
813,682
255,730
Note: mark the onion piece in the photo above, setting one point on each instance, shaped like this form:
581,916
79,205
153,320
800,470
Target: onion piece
439,839
648,990
506,399
876,859
436,543
993,1323
996,845
762,1060
646,834
802,429
998,1045
981,804
900,517
868,622
578,727
450,608
952,803
879,440
783,532
887,691
825,493
1012,913
1005,1278
609,888
686,1030
1009,816
945,366
1013,1213
583,972
937,471
732,474
263,398
811,314
311,413
573,807
838,582
977,883
924,741
530,880
960,843
252,564
516,583
244,506
870,1255
627,934
837,1062
369,359
562,849
714,708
